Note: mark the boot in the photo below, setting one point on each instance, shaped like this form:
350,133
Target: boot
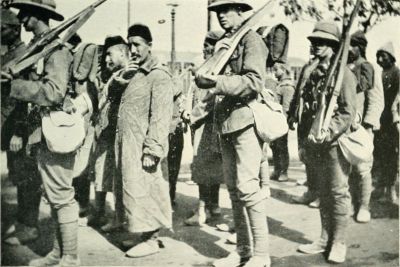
69,260
53,258
232,239
319,245
283,177
232,260
337,253
363,215
257,261
199,218
314,204
305,199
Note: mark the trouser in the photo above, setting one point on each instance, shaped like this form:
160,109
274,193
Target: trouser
280,154
333,190
361,181
23,172
312,173
264,168
174,160
56,171
82,191
241,159
209,195
386,155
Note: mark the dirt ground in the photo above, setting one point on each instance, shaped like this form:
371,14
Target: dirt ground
372,244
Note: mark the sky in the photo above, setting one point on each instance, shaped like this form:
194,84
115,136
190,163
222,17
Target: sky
191,22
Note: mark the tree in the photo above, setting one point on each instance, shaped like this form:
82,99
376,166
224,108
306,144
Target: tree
371,11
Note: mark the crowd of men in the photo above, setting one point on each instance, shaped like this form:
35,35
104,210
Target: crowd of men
134,115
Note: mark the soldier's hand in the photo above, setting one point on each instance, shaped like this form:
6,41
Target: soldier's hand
205,81
6,77
149,161
16,143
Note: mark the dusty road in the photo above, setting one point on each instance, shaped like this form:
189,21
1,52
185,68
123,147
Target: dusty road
373,244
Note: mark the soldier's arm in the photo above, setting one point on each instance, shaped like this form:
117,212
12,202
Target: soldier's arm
51,88
287,97
251,78
374,106
367,76
346,107
161,114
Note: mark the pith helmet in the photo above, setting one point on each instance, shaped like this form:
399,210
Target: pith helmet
325,30
217,4
9,17
47,5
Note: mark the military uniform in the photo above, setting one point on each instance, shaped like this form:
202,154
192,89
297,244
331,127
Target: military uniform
324,160
46,89
22,169
240,83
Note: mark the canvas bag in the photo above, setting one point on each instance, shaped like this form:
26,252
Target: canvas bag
357,146
270,122
64,133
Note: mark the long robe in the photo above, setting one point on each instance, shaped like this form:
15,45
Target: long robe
144,118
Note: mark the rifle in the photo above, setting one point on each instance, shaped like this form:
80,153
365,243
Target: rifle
217,62
51,41
324,113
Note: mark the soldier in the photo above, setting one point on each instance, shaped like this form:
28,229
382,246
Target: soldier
116,58
207,160
369,108
241,82
284,92
22,169
46,88
386,142
323,153
141,142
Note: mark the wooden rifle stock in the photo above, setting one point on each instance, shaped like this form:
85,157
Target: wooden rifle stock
217,62
324,113
50,41
343,64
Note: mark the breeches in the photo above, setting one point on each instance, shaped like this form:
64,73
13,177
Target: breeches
56,171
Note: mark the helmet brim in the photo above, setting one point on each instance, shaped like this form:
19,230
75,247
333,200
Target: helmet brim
21,4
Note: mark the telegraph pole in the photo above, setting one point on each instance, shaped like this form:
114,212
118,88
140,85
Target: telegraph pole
129,13
209,17
173,52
